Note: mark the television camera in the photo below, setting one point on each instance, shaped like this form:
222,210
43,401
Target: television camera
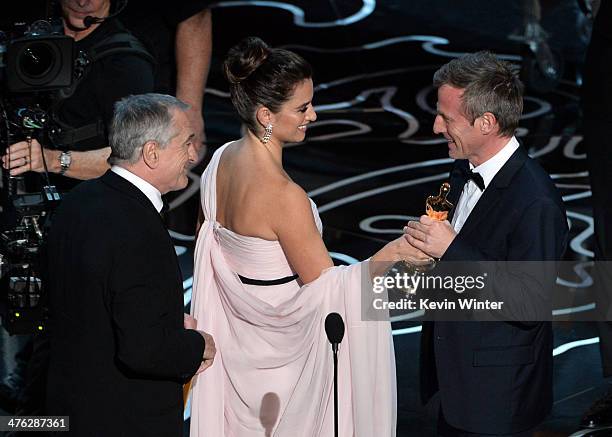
37,66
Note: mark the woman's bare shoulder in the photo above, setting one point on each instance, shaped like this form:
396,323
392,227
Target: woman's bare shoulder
291,204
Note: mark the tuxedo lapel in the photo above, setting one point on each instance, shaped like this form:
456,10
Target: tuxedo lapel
487,201
128,189
493,192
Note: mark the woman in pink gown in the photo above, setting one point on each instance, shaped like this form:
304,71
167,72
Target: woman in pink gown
264,281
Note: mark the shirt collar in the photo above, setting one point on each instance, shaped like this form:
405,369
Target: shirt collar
489,169
147,189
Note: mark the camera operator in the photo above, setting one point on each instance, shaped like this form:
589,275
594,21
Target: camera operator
83,114
91,104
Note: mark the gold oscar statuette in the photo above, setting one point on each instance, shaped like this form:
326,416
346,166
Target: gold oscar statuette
436,207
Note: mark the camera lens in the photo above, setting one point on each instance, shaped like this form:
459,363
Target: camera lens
36,60
37,63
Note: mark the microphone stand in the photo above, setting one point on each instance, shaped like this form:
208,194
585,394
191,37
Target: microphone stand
335,352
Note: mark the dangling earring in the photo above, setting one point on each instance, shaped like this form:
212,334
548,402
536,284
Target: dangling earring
267,134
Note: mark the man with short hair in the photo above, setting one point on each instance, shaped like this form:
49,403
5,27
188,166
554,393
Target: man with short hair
494,378
119,349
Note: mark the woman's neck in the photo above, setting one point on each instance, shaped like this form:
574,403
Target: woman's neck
273,148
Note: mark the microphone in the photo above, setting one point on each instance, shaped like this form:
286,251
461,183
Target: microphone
334,328
89,20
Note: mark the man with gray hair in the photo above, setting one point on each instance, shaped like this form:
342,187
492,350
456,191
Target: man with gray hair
493,378
121,347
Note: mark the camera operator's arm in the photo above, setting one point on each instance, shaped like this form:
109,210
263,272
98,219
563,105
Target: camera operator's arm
193,52
26,157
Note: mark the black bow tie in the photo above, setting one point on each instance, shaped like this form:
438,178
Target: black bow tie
165,207
467,174
164,210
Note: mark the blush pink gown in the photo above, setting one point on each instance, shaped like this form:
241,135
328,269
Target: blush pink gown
273,372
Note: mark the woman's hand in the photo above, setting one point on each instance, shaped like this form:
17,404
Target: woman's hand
397,250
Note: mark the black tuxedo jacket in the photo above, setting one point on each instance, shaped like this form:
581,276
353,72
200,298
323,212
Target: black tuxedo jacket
496,377
119,352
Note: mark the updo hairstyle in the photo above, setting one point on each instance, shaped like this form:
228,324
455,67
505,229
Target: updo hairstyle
262,76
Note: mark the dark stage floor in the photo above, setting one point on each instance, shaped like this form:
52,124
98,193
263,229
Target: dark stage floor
371,158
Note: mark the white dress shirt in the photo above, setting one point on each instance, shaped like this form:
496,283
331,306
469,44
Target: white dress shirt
147,189
471,193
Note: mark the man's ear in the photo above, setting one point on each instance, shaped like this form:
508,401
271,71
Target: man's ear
488,123
150,154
